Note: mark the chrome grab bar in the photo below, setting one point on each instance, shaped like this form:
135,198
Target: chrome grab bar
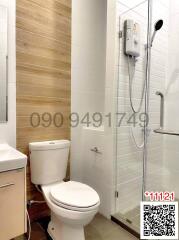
7,185
161,108
96,150
166,132
161,130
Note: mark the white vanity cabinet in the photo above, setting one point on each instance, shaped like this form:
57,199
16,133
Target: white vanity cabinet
12,203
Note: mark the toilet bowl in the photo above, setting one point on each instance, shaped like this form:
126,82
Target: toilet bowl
73,205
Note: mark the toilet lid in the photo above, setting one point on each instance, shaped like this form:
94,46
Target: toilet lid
75,195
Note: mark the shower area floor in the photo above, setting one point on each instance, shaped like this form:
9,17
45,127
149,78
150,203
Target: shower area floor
130,218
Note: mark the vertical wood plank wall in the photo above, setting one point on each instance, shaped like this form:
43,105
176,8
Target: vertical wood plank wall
43,29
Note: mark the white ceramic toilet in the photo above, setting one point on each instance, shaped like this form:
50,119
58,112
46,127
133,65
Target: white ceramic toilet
73,205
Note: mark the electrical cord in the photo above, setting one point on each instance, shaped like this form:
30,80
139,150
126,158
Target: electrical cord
131,78
38,188
35,202
29,224
28,218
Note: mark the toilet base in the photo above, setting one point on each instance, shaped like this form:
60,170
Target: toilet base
61,231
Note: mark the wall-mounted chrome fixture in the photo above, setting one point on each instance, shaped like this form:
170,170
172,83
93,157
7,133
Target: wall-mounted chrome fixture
161,130
96,150
161,109
166,132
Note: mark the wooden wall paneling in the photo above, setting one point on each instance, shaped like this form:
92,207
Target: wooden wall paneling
43,33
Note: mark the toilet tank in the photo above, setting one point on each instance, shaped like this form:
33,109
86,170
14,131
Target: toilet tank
48,161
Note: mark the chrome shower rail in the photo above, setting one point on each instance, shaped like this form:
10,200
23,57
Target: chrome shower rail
166,132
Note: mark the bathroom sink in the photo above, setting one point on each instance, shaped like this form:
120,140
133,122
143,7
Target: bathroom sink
11,159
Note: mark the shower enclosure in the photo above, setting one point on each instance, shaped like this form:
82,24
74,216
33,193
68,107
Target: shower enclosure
147,141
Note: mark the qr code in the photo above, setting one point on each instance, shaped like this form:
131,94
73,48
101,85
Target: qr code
159,220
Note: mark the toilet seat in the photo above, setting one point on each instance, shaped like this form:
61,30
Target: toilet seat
74,196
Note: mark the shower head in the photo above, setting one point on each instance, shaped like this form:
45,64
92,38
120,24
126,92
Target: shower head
157,26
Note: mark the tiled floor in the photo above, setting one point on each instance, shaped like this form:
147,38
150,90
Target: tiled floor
99,229
132,217
103,229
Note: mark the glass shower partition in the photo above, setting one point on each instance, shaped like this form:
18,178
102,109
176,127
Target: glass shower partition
147,162
130,146
163,152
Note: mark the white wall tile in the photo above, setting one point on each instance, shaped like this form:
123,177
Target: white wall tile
171,102
129,167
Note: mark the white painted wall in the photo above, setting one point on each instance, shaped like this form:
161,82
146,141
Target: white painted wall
93,42
88,68
8,130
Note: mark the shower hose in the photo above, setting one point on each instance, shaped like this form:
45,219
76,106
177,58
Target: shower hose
134,110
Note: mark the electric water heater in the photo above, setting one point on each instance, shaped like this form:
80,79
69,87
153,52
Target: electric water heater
132,38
